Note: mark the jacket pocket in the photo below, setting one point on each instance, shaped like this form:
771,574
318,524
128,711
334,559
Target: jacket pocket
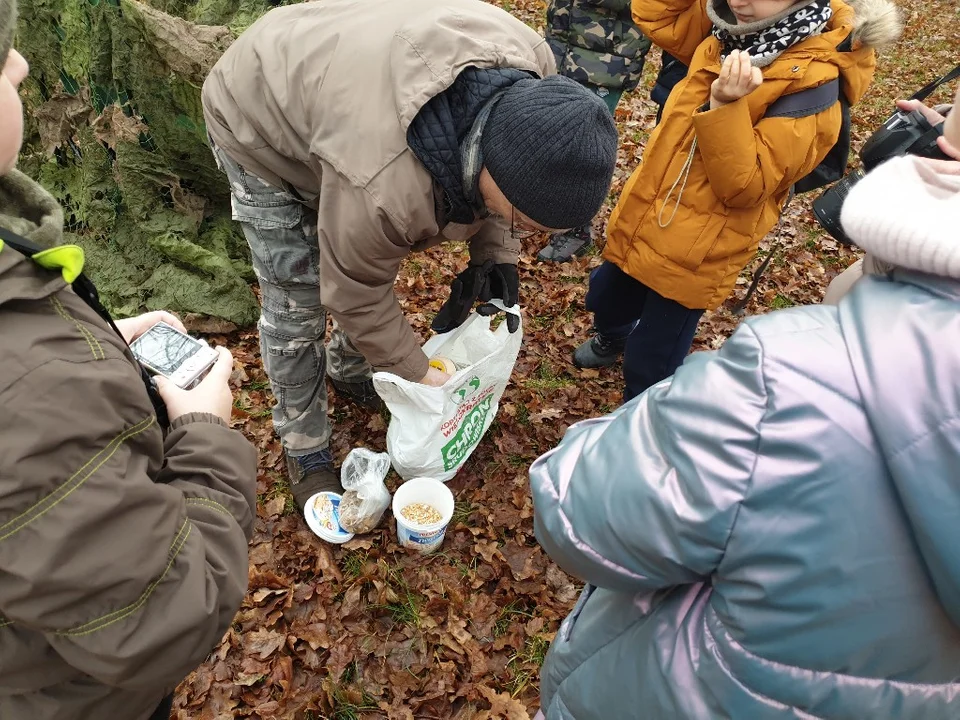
706,240
566,629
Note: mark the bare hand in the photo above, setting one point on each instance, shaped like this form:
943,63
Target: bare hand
932,116
949,142
132,328
211,395
434,377
738,78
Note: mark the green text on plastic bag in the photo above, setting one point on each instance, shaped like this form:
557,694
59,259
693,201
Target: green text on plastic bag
469,434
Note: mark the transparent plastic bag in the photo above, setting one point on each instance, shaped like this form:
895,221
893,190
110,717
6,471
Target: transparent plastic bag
365,497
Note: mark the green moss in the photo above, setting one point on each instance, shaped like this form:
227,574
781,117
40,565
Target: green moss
115,130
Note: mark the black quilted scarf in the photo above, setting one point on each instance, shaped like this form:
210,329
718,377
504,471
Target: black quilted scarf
438,130
765,40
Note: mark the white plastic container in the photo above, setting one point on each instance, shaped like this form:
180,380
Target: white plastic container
322,513
422,538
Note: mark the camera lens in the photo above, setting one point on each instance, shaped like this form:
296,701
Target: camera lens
827,207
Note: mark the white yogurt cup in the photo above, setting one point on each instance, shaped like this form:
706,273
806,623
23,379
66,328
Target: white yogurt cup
422,538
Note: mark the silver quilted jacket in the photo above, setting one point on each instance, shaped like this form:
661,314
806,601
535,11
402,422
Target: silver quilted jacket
775,532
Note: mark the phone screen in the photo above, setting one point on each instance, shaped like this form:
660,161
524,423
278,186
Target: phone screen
164,349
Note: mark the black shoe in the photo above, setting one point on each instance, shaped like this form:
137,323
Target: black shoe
311,474
598,352
362,393
565,246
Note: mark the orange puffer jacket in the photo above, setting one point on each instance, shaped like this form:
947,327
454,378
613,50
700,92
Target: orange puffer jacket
690,244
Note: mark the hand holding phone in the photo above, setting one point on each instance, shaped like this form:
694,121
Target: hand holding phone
134,327
164,350
211,395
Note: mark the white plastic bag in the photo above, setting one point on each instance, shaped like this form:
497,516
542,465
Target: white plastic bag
365,497
433,430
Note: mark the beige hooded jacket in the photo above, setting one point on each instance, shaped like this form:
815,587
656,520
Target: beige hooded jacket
317,98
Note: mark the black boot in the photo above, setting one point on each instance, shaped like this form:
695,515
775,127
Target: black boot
362,393
599,351
564,246
311,474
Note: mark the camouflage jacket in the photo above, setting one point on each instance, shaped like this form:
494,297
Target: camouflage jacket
596,42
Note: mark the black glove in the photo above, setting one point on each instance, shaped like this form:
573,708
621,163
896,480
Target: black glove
503,283
465,289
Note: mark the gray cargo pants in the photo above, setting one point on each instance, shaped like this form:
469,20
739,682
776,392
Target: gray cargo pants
282,234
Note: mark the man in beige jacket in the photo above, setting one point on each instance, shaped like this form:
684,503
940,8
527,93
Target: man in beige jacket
355,132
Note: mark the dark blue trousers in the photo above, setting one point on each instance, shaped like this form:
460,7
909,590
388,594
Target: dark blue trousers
658,331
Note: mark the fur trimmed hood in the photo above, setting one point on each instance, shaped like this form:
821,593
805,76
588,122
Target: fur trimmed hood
877,23
856,31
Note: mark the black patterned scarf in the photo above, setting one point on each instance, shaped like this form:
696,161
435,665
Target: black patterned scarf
765,40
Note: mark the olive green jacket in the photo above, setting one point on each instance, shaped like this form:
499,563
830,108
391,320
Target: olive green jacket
123,550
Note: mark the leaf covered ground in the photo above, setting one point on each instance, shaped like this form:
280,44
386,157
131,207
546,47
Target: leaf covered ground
367,630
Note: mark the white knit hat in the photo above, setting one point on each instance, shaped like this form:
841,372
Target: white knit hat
907,213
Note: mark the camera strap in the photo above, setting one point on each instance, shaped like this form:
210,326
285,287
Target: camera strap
924,92
87,291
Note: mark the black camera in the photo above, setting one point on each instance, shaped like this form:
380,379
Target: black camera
904,133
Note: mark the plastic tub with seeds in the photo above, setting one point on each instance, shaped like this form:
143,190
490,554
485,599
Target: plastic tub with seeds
423,508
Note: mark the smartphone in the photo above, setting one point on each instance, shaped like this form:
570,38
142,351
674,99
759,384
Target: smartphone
166,351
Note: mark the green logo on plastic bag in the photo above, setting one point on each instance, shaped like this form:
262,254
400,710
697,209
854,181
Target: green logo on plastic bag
468,435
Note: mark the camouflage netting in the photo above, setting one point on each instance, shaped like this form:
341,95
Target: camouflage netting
115,130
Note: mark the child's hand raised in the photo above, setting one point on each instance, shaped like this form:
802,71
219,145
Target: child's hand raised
737,78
